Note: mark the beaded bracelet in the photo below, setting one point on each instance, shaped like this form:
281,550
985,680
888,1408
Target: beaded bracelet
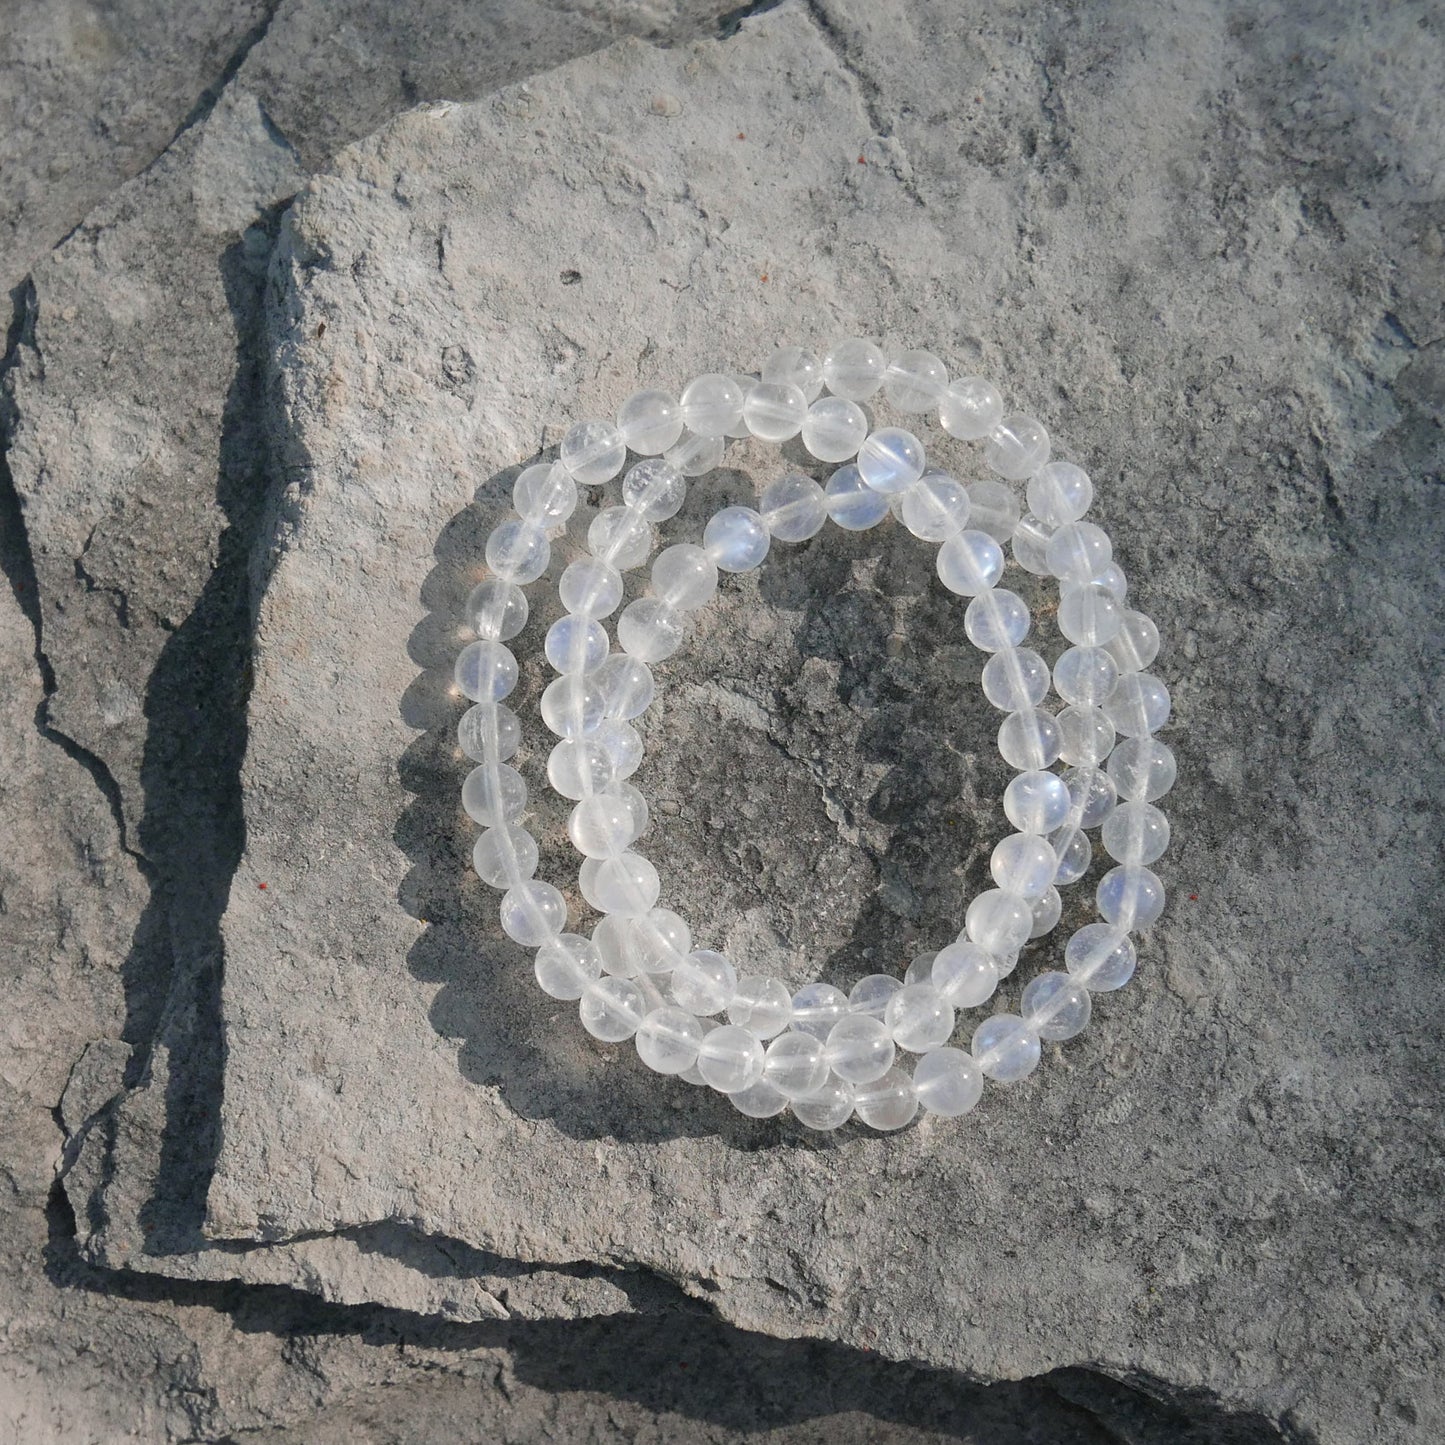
825,1054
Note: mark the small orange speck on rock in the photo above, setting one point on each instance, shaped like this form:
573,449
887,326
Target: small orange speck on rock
1194,898
261,886
862,160
764,276
742,135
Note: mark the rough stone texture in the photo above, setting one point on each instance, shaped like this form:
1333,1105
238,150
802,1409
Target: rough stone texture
1232,1178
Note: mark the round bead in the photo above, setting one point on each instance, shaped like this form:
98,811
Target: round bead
1017,447
730,1058
1142,769
649,629
948,1082
573,706
890,460
497,610
970,408
1078,551
915,381
532,912
1030,545
579,766
684,577
602,826
828,1107
999,921
518,552
1101,957
736,539
612,1009
763,1005
854,369
851,502
1130,896
1113,581
935,507
650,421
485,671
1055,1006
860,1048
575,644
1059,493
1085,736
919,1018
654,489
623,745
993,509
1135,645
1074,851
1085,676
1089,615
966,974
1025,864
545,495
1016,679
590,588
668,1040
758,1101
1135,833
627,885
712,406
870,994
794,1065
886,1103
774,411
704,982
488,731
620,537
504,856
1036,802
793,508
795,366
1005,1048
695,456
1091,796
566,964
969,563
494,795
1028,740
593,451
834,429
816,1008
1138,706
627,685
920,969
1047,912
657,941
996,620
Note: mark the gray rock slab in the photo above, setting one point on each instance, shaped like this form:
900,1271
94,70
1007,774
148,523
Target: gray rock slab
1231,1180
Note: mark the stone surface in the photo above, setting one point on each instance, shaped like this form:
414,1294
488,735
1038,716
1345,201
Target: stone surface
1230,1177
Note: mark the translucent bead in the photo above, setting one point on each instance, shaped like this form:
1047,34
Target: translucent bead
730,1058
758,1101
1029,740
870,994
793,508
712,405
593,451
1016,679
1091,796
654,489
626,885
518,552
920,969
970,408
704,982
504,856
999,921
851,502
1047,912
620,537
935,507
612,1009
485,671
890,460
919,1018
1113,581
1138,706
1078,551
860,1048
532,912
627,686
965,973
795,366
611,938
601,826
1059,493
886,1103
1101,957
1017,447
497,610
816,1008
575,644
1089,615
579,766
736,539
566,964
1074,851
1085,676
834,429
545,495
494,795
745,384
1135,833
657,941
996,620
1086,736
650,421
1025,864
695,456
969,563
948,1082
993,508
1136,644
623,745
1130,896
488,731
590,588
915,381
854,369
828,1107
1143,769
1036,802
1030,545
1005,1048
684,577
794,1065
573,706
763,1005
668,1039
774,411
649,629
1055,1006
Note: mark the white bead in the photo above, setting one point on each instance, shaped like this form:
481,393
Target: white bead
1089,615
1017,447
758,1101
736,539
795,366
774,411
504,856
965,973
1078,551
1060,493
1005,1048
623,745
612,1009
969,563
793,509
745,384
545,495
1135,833
993,508
1085,676
593,451
1137,642
999,921
532,912
684,577
1016,679
915,381
695,456
828,1107
1025,864
497,610
627,686
1138,706
704,982
1091,796
602,826
851,502
1101,957
890,460
654,489
650,421
1074,851
575,644
920,969
1030,545
1036,802
935,507
565,965
590,588
996,620
1143,769
577,767
794,1065
649,629
1055,1006
573,706
834,429
1047,912
518,552
485,671
620,537
1086,736
668,1039
489,731
1029,740
712,405
871,993
494,794
1113,581
860,1048
816,1008
854,369
730,1058
886,1103
970,408
763,1005
948,1082
627,885
1130,896
655,942
919,1018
